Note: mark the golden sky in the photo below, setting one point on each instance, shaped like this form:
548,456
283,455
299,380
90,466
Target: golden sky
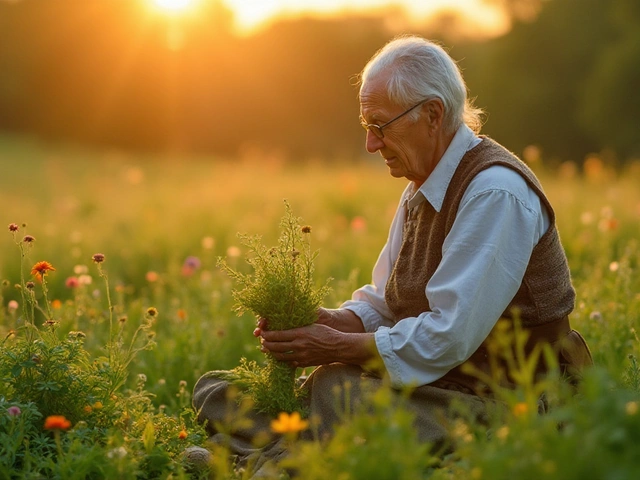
251,15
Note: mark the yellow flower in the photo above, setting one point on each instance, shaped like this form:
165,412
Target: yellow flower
286,423
98,405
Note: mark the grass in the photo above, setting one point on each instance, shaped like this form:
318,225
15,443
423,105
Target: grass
147,215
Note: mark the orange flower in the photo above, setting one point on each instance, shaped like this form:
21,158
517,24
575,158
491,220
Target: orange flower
183,434
289,423
520,409
41,268
57,422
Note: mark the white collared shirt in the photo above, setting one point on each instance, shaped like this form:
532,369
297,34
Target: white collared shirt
499,221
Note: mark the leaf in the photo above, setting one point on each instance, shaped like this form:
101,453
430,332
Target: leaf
149,437
16,371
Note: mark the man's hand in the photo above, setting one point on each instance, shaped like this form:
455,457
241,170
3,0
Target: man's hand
317,344
302,347
340,319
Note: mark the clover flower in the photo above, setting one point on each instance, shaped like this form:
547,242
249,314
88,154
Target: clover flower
98,257
14,411
286,423
57,422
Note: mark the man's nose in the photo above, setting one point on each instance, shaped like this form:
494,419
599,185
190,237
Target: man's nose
373,143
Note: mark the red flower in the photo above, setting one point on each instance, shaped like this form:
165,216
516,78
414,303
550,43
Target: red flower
57,422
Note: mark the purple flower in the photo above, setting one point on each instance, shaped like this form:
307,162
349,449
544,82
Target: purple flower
192,262
190,265
14,411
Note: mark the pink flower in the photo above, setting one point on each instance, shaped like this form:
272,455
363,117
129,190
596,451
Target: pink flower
14,411
72,282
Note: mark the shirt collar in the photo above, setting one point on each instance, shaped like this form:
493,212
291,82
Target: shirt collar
435,186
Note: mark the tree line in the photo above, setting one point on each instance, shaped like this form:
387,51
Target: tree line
111,73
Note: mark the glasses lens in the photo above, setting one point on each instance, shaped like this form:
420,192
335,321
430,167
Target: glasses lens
375,129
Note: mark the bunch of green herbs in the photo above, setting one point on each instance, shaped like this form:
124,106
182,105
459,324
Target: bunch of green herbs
282,290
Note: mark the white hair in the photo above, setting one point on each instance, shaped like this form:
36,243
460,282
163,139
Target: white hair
420,69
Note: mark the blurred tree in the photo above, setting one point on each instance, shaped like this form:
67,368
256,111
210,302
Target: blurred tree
531,81
610,107
117,73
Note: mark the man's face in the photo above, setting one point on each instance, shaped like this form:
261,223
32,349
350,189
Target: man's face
406,147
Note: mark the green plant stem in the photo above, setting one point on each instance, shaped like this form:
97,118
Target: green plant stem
282,379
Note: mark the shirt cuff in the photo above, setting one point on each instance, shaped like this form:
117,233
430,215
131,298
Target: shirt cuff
371,319
390,359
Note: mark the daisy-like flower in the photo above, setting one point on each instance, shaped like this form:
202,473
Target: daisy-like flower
41,268
98,257
289,423
57,422
13,227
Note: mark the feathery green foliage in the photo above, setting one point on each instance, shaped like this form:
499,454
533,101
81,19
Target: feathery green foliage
282,290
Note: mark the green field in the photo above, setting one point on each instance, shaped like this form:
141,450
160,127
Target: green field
148,214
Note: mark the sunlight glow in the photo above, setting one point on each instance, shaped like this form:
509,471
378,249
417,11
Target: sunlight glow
173,6
251,15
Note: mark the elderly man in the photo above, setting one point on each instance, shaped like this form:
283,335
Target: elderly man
473,240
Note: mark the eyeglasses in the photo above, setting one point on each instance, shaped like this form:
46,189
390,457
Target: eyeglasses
377,129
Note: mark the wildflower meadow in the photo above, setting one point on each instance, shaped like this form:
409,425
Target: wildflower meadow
114,301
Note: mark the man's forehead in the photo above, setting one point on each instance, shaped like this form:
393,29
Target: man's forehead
375,84
374,91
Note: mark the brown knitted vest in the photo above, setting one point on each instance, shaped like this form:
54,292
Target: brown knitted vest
546,293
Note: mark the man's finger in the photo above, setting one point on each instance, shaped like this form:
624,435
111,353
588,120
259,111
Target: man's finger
279,335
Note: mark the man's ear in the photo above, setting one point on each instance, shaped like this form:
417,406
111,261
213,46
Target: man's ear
435,113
